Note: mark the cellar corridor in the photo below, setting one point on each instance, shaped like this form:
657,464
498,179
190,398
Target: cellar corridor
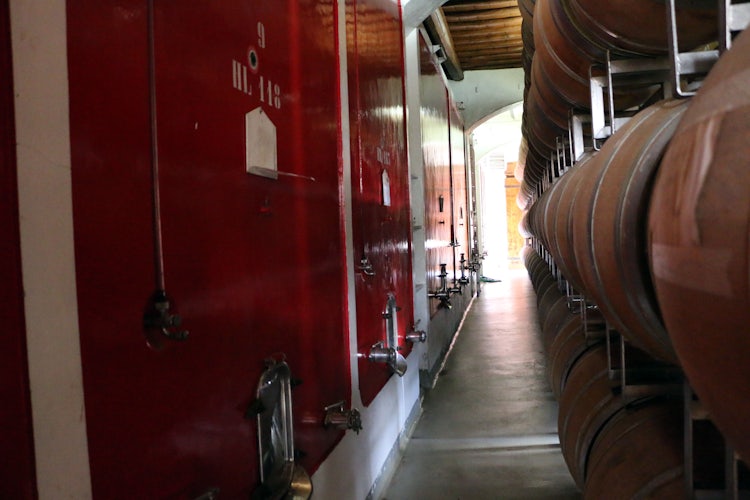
489,426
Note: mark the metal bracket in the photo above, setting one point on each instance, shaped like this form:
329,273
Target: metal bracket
693,411
633,71
692,63
732,18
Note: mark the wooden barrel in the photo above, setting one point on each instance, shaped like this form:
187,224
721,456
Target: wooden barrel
547,118
563,226
536,219
527,9
580,223
565,54
619,207
523,226
540,277
607,232
586,403
548,284
524,197
556,317
531,258
538,273
536,162
638,454
566,346
639,27
555,194
699,243
551,106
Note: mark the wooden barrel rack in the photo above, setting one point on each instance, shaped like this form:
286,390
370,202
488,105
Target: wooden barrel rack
639,224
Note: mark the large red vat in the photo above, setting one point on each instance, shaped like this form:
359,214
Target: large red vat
380,182
699,244
436,151
256,266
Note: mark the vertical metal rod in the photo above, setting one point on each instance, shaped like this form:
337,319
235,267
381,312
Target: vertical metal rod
611,96
687,397
571,152
157,231
725,35
623,368
730,473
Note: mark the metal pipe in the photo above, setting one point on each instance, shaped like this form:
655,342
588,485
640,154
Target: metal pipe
155,195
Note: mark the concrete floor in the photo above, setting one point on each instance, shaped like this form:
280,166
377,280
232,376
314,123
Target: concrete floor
489,427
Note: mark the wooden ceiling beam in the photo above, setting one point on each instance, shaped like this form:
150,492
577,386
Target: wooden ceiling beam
484,15
451,7
489,47
440,34
495,25
505,65
486,41
464,37
493,57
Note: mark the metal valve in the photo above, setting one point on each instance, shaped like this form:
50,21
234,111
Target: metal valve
464,280
389,355
366,267
339,418
443,294
159,322
211,494
415,336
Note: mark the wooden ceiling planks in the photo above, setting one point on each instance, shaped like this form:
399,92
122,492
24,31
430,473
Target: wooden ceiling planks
485,34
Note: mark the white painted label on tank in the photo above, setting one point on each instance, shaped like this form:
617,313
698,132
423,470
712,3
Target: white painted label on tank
386,189
260,144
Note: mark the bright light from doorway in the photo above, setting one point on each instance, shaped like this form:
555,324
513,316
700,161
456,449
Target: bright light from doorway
496,143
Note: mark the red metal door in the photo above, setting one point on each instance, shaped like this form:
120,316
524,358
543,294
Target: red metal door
17,469
254,265
380,179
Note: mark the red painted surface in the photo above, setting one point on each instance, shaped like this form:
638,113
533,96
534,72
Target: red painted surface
17,469
437,177
382,234
254,265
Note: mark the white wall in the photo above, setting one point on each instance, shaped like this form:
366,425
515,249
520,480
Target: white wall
38,31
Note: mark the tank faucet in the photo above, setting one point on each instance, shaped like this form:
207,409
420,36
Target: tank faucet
338,418
464,280
442,294
160,323
415,336
379,353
